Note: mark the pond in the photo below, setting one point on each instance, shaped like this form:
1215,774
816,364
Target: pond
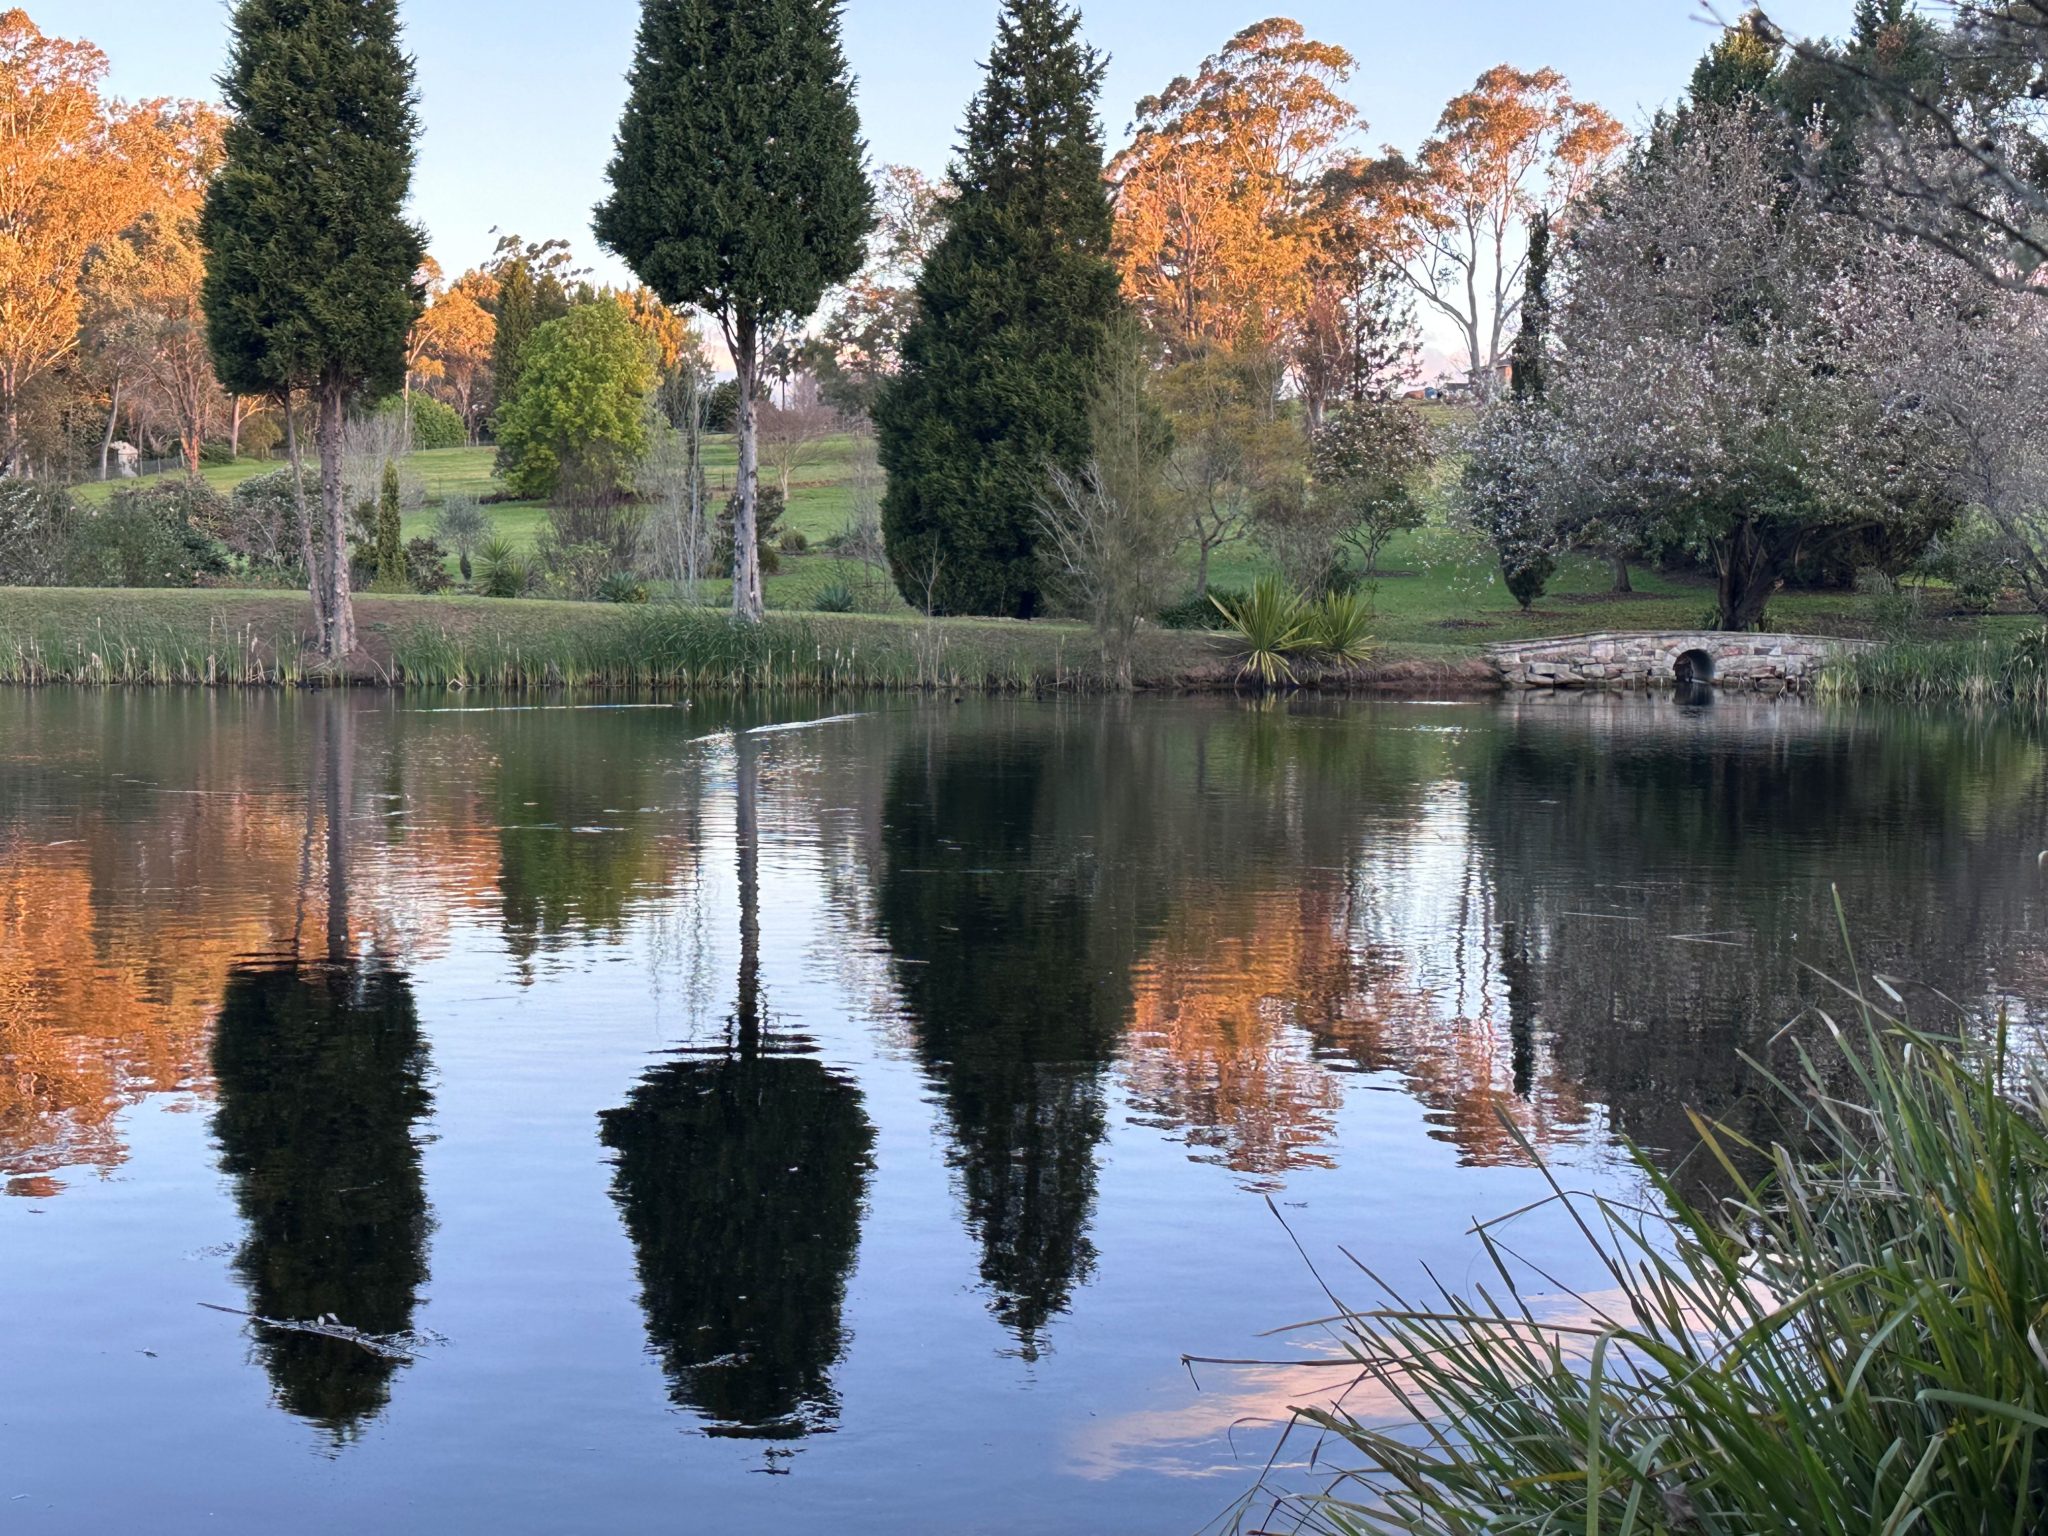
845,1116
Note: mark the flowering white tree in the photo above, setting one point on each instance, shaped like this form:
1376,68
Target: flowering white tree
1728,374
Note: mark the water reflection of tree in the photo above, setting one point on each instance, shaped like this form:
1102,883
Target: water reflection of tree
320,1067
741,1174
574,851
1661,887
1004,898
321,1076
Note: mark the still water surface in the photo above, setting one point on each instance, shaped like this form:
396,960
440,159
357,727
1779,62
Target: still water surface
766,1118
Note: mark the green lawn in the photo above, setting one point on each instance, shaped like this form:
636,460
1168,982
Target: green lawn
1437,594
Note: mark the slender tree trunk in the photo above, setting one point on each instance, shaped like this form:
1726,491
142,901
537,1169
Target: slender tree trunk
113,419
1619,563
746,554
341,613
189,447
316,584
1202,574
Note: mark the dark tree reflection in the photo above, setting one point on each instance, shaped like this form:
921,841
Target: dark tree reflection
741,1177
1018,999
321,1075
742,1174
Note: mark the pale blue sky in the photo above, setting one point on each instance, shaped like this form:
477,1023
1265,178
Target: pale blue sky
519,97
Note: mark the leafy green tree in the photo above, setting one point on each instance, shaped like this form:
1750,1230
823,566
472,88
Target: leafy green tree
737,186
581,410
310,260
532,280
1368,462
1014,306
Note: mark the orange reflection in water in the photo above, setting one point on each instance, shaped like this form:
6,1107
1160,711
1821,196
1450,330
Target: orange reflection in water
1250,1011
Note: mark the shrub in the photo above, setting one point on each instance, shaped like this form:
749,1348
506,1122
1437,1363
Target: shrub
502,571
146,537
1193,612
1272,626
426,565
1528,577
216,453
1340,628
793,543
573,571
263,520
768,510
835,597
722,407
435,423
580,405
463,526
390,548
622,587
38,526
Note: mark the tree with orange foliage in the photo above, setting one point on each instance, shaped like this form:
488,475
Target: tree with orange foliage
1515,145
143,291
61,194
140,289
449,350
1217,193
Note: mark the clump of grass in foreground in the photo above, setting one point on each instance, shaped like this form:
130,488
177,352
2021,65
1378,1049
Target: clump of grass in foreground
1855,1342
1974,672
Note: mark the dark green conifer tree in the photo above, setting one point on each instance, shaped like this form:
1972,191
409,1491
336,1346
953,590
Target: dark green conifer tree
1531,353
311,264
1013,310
737,186
1742,66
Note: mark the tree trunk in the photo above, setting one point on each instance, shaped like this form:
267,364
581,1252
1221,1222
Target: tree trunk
1749,577
1620,565
113,419
308,550
746,554
189,447
340,639
1202,576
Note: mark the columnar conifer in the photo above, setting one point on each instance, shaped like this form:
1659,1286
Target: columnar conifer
310,260
1014,307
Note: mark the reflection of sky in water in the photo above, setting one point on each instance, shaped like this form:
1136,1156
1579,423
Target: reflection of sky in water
1077,985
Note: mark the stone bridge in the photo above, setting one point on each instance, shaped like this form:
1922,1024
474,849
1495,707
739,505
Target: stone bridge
1756,663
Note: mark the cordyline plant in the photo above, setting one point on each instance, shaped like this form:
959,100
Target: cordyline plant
1850,1343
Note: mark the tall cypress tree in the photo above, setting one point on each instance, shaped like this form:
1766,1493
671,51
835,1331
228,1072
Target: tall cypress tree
737,187
1531,354
310,261
1013,311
